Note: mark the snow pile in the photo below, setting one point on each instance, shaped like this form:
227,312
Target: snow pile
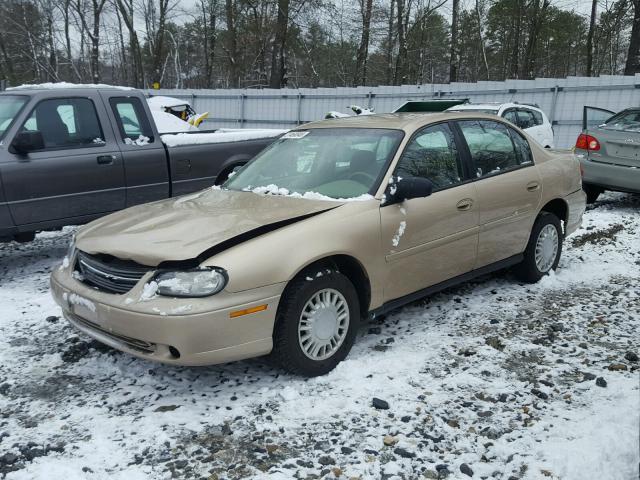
167,123
61,85
495,378
395,241
149,291
140,141
275,190
181,139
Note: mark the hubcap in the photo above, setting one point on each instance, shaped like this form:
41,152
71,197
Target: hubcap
546,248
323,324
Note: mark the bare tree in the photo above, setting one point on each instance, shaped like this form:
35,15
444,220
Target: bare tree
92,31
592,27
453,56
633,57
360,74
278,57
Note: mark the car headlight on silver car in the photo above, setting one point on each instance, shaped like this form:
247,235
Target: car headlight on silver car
200,282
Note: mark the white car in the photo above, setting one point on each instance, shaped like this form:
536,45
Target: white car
527,117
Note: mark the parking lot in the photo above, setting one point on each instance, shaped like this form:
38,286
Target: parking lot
493,379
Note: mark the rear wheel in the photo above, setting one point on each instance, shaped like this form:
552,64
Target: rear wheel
543,250
592,192
316,323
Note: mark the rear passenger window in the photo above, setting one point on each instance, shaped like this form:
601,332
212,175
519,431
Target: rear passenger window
132,120
523,151
66,123
432,154
537,117
490,145
526,119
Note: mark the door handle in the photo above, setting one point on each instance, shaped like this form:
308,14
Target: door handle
464,204
533,186
106,159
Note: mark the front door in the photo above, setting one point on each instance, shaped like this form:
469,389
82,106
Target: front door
79,171
508,186
429,240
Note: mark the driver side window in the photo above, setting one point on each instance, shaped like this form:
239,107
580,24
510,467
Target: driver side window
432,154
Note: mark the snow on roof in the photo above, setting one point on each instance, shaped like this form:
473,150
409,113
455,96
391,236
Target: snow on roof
476,106
160,102
60,85
220,136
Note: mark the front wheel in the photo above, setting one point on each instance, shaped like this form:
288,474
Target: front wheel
316,323
543,250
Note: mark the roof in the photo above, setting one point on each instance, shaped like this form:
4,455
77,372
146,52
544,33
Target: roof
398,121
65,85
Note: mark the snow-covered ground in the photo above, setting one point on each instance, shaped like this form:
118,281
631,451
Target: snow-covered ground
493,378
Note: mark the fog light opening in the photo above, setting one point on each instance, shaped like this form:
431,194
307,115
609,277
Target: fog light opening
174,352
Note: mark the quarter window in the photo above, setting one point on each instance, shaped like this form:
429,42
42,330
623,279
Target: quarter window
490,145
132,120
432,154
66,123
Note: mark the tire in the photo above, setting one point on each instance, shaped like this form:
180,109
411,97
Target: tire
24,237
288,343
529,270
224,175
592,192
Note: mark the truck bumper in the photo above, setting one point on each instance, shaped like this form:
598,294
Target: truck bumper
204,338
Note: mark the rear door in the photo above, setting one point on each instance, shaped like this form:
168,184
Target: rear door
618,136
78,173
145,158
508,188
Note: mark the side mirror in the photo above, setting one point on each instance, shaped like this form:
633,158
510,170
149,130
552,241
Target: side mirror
28,141
406,188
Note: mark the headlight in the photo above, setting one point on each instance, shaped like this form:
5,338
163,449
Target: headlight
200,282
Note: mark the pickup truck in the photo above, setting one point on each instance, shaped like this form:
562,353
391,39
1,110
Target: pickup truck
72,153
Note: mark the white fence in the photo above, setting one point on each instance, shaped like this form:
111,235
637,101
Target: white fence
562,99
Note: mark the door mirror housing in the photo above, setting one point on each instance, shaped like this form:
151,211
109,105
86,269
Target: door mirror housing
27,141
406,188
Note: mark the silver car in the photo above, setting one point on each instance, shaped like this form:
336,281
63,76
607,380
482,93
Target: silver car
609,151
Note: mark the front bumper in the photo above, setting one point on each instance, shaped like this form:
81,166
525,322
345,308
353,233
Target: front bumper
611,177
207,337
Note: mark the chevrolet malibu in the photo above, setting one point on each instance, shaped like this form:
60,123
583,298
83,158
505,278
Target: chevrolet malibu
336,221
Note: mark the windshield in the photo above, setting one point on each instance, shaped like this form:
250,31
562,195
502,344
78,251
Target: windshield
333,162
10,106
624,121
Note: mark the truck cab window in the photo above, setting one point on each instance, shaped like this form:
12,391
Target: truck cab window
66,123
132,120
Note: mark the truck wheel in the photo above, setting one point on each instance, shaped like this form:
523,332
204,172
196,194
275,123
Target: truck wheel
316,323
543,250
592,192
224,175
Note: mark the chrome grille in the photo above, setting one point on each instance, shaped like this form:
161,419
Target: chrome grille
108,273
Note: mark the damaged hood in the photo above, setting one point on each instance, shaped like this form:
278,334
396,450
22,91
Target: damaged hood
185,227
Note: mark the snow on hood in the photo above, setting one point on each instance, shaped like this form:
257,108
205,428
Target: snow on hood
183,228
180,139
60,85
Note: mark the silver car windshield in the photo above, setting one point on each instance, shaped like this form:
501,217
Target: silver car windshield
331,162
626,121
10,106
